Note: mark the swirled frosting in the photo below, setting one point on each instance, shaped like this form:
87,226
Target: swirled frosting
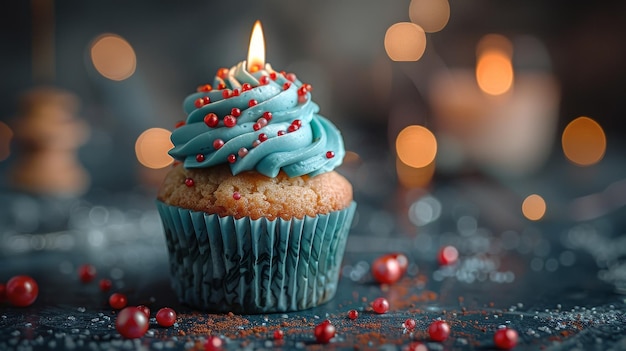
232,126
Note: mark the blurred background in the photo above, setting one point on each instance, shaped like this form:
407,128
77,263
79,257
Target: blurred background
527,94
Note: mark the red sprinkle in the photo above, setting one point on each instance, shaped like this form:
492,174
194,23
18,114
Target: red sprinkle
256,126
226,93
302,91
236,195
278,334
189,182
242,152
267,115
218,143
290,76
199,102
252,102
353,314
330,154
292,128
199,157
380,305
221,86
235,112
262,137
86,273
410,324
281,132
273,75
264,80
211,120
297,122
179,124
232,158
205,88
230,121
235,92
286,85
246,87
222,72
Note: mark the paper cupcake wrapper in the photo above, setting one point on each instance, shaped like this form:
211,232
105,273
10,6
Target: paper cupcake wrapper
223,264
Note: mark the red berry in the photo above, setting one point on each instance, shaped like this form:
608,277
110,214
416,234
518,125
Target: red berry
236,195
226,93
205,88
505,338
286,85
105,284
246,87
3,292
145,310
353,314
199,102
330,154
232,158
235,92
199,157
324,332
267,115
218,143
292,128
252,102
256,126
131,323
86,273
278,334
222,72
221,86
439,330
264,80
211,120
262,137
166,317
230,121
235,112
302,91
242,152
448,255
281,132
386,269
297,122
380,305
179,124
213,343
273,75
189,182
118,301
410,324
22,290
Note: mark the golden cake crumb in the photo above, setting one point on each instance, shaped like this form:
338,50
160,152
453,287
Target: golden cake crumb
259,196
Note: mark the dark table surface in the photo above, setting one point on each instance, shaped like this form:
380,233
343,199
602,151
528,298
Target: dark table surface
559,281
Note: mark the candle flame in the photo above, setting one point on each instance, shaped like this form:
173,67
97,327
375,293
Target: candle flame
256,51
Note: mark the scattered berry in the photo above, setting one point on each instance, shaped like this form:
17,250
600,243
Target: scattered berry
324,332
105,284
118,301
144,309
22,290
439,330
505,338
86,273
278,334
410,324
131,323
353,314
387,269
189,182
448,255
380,305
166,317
236,195
213,343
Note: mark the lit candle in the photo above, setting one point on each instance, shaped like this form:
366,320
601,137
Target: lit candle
256,51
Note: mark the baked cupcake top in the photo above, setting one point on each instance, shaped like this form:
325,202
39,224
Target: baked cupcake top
263,121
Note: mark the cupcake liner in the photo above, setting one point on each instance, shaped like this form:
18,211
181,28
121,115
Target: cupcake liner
223,264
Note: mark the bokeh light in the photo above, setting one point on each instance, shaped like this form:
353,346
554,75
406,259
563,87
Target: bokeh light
416,146
534,207
113,57
494,72
496,42
584,141
431,15
152,146
405,41
412,177
6,134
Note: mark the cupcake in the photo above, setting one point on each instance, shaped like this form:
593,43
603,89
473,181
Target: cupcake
256,218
